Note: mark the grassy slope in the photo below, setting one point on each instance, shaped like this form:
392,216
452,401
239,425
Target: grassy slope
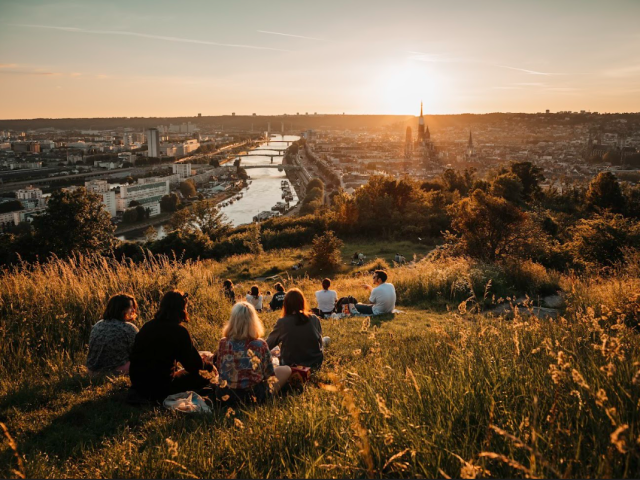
413,395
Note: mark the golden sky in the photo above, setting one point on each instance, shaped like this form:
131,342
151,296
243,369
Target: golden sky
85,58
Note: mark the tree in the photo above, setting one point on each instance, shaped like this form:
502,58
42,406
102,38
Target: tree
214,162
530,176
202,216
169,203
10,206
74,222
507,186
130,215
602,240
315,183
150,234
325,252
604,193
188,188
254,239
242,174
489,227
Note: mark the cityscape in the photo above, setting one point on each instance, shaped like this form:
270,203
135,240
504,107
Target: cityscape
137,167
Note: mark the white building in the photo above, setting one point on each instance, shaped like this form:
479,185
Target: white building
182,169
153,141
29,193
188,146
146,194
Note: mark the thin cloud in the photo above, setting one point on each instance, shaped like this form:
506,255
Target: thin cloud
629,71
8,65
436,58
146,35
530,72
28,72
291,35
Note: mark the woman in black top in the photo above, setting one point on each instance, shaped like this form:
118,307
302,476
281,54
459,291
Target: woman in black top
228,291
278,298
298,333
159,346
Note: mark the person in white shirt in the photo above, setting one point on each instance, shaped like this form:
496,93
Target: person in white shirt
382,297
326,298
255,299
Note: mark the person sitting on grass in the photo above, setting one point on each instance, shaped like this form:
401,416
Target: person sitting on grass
160,345
298,333
228,290
112,338
382,297
278,298
326,299
255,298
245,367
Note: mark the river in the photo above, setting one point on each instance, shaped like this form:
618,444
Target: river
263,192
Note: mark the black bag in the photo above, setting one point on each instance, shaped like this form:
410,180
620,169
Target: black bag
344,301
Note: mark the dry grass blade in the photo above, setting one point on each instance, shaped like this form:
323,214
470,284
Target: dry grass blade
508,461
415,383
185,469
395,457
14,446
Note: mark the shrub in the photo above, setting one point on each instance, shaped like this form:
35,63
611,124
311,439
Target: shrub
326,252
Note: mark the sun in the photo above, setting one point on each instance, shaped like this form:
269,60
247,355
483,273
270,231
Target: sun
402,87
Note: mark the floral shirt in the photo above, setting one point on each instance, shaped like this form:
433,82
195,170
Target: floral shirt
110,344
243,363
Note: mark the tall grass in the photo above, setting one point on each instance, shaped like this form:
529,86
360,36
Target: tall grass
419,395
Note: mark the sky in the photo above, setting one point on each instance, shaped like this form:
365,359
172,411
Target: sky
85,58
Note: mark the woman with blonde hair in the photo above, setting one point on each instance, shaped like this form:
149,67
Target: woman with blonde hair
244,362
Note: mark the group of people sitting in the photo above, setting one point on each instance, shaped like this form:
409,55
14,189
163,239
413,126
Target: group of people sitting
161,358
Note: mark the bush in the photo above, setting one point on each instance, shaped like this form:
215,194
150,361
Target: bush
326,252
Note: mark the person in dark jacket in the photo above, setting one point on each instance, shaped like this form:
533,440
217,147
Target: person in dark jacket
160,345
229,292
278,298
298,333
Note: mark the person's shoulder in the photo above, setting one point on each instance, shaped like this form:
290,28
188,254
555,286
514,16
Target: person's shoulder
130,327
258,344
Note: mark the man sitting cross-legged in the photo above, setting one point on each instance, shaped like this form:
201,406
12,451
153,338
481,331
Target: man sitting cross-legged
382,298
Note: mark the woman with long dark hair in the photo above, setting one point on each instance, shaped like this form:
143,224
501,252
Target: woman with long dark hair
160,345
254,297
298,333
112,338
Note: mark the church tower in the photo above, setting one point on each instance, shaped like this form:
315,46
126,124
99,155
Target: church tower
408,145
421,126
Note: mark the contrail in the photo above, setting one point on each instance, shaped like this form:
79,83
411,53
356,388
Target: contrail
290,35
531,72
155,37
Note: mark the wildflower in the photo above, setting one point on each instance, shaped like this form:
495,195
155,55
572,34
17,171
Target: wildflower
230,412
225,398
238,423
636,378
357,352
579,379
382,406
617,441
223,383
601,398
172,447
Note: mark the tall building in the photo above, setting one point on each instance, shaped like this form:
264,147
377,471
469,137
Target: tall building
153,141
470,153
146,194
420,125
182,169
408,145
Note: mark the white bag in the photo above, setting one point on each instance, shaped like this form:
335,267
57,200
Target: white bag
187,402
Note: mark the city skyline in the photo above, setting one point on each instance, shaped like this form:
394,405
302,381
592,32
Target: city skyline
89,59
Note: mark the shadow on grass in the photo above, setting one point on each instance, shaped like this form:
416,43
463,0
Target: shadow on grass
33,396
378,320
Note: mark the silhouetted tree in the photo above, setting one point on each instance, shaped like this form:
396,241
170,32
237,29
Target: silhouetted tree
604,193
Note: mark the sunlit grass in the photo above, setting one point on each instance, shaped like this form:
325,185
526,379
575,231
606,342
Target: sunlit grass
419,394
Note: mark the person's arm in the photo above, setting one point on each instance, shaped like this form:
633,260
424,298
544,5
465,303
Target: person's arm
132,331
267,363
188,355
275,336
372,297
272,303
